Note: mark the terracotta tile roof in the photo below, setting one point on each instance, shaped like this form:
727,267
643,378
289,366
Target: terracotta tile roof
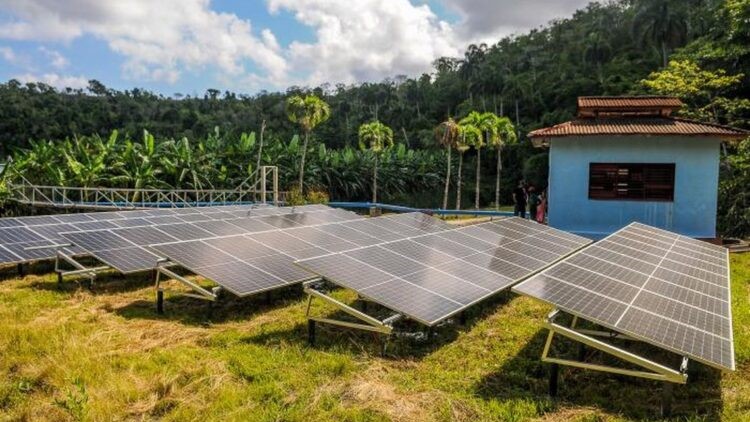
638,126
627,103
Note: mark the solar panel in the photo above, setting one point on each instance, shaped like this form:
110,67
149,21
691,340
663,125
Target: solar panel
653,285
441,270
74,218
7,256
260,260
10,222
128,260
143,236
39,220
97,241
11,235
100,240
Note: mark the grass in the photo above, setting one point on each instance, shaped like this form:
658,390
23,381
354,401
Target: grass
75,354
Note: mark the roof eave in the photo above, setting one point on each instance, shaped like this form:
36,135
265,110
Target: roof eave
543,140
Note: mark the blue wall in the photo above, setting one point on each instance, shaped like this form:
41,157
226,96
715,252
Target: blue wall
693,212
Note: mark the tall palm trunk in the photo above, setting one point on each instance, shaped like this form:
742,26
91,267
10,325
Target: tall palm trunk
497,177
664,54
260,147
447,180
460,180
375,181
476,187
302,163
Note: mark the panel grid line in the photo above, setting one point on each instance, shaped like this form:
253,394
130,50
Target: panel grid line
584,252
626,304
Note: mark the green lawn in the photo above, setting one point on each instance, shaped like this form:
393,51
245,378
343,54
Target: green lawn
106,355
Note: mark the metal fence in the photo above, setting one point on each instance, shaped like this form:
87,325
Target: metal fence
255,189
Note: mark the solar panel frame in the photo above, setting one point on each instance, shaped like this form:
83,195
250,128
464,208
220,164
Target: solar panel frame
45,225
657,279
405,266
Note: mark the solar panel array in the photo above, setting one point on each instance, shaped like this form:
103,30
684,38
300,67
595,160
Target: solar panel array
19,233
255,262
431,276
127,249
669,290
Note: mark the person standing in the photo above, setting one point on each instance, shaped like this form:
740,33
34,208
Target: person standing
533,202
519,199
542,208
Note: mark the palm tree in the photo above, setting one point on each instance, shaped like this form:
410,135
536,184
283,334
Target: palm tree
662,21
308,112
446,134
468,135
377,137
505,135
487,125
260,148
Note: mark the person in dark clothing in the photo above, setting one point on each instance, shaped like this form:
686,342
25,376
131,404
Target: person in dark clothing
533,202
519,198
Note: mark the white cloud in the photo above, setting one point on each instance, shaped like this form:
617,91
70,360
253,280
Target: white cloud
158,39
55,80
354,40
8,54
366,40
490,20
13,58
56,60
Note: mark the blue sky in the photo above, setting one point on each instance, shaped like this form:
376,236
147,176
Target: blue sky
188,46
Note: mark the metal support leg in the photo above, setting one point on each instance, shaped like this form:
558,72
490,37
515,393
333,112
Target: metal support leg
311,332
462,318
59,279
21,270
160,302
554,376
666,399
367,322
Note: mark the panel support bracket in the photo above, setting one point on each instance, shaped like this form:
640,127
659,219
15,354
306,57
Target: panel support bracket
198,292
368,323
80,269
651,370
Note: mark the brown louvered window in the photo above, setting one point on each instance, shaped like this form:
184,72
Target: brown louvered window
633,182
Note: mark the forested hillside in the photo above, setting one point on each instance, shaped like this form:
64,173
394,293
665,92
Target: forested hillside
603,49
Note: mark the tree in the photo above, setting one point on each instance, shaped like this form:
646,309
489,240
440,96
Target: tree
662,21
505,135
377,137
487,125
308,112
260,148
446,134
468,135
734,196
702,91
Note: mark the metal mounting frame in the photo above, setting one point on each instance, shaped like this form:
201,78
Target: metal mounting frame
60,255
652,370
369,323
199,292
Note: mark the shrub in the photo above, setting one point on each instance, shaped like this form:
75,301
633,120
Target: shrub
294,196
317,196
